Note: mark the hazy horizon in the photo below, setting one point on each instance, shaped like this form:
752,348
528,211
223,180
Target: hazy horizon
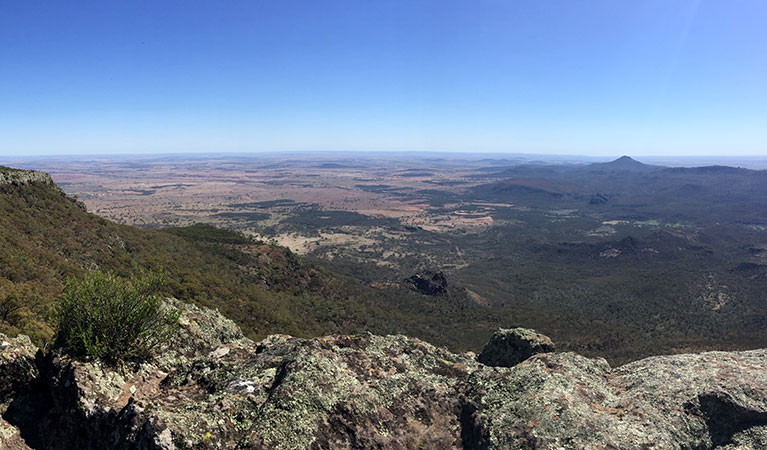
40,162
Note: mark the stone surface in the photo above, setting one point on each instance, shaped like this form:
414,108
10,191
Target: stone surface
18,176
509,347
213,388
17,365
18,372
564,400
10,437
429,283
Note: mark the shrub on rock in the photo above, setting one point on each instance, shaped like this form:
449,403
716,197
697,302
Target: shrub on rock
112,319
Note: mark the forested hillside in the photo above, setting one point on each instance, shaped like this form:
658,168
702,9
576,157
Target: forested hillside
46,237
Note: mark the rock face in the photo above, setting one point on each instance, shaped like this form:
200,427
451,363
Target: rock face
17,365
507,348
563,400
213,388
18,372
429,283
18,176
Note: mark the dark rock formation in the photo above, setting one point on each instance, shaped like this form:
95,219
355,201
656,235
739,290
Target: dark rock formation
429,283
213,388
598,199
507,348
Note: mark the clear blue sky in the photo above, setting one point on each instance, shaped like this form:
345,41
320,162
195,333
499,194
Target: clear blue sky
647,77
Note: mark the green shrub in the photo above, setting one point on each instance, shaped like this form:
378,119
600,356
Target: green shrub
112,319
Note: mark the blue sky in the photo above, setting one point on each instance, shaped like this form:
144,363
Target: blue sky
650,77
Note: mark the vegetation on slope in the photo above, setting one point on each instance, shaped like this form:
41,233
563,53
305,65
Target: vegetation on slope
646,271
46,237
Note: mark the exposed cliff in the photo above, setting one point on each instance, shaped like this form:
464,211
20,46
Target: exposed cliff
213,388
18,176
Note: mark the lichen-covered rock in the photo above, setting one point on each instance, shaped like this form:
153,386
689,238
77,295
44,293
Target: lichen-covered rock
94,405
719,393
17,365
18,372
339,392
363,392
213,388
19,176
509,347
10,437
563,400
752,438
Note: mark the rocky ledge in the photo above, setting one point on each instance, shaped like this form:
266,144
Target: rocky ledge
213,388
19,176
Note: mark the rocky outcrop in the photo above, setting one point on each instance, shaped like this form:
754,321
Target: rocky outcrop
429,283
213,388
17,365
563,400
19,177
18,372
598,199
507,348
10,437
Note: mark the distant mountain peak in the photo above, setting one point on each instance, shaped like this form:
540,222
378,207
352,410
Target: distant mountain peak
625,159
625,162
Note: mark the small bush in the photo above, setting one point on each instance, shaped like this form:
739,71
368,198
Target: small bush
112,319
